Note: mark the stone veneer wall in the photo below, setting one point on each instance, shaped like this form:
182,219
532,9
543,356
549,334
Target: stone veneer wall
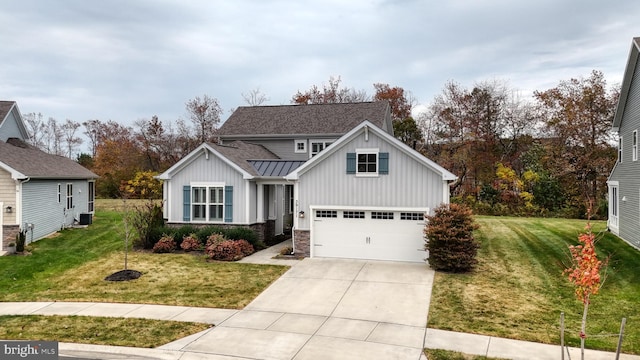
302,244
9,233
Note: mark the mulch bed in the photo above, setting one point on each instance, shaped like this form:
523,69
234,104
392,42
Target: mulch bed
124,275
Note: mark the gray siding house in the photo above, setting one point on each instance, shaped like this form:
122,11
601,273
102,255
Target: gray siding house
624,181
40,193
332,174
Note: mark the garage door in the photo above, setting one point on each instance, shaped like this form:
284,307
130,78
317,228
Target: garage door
368,234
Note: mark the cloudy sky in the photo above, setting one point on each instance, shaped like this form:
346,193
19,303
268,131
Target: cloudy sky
125,60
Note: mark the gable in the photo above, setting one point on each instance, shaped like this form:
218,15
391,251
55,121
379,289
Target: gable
11,123
630,84
367,135
309,120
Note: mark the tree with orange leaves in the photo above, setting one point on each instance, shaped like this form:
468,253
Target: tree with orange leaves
584,274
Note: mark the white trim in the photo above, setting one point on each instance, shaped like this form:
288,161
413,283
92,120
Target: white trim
620,152
1,225
304,146
368,151
325,144
207,203
247,202
192,156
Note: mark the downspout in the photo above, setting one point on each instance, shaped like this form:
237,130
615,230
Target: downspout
19,202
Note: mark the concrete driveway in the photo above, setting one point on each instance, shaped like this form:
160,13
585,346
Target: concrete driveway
327,309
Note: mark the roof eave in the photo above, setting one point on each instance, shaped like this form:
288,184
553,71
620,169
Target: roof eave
626,81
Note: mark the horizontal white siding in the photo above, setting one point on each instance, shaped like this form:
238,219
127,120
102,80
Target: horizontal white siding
8,197
40,205
409,183
203,170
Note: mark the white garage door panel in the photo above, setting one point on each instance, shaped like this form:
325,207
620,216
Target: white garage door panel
380,239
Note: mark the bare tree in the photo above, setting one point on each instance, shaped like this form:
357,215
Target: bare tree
255,97
92,131
331,93
36,128
72,141
205,114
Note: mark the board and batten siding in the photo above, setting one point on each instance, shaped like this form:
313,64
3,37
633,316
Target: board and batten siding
201,170
9,128
408,184
41,208
627,173
8,197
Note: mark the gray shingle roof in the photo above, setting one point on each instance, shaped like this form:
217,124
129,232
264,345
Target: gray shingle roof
319,119
239,152
276,168
35,163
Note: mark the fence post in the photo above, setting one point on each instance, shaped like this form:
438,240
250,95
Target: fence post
562,335
624,321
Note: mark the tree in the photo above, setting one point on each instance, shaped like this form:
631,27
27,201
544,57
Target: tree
255,97
585,275
577,118
92,132
331,93
401,102
72,141
204,113
36,128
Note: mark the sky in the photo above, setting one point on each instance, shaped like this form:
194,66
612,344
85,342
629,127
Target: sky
125,60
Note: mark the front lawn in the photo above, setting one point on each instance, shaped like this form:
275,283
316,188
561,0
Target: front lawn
72,266
518,289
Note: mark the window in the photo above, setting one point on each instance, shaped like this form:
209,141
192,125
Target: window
382,215
411,216
366,161
91,196
326,214
300,146
69,196
353,214
634,148
207,203
59,193
317,146
620,150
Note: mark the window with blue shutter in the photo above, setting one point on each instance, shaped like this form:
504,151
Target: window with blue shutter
383,159
186,203
228,204
351,163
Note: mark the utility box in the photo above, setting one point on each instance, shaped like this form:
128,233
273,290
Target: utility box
86,219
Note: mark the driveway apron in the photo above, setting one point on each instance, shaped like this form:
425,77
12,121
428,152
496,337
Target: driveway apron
329,309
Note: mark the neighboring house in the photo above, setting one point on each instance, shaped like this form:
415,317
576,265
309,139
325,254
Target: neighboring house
624,181
40,193
333,174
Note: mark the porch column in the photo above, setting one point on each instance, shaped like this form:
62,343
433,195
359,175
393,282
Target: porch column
260,204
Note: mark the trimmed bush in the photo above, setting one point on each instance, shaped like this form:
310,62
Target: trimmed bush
190,243
449,238
215,239
227,250
183,232
165,245
245,247
205,232
239,233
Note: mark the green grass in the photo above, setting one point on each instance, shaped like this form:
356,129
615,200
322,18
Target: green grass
72,265
436,354
144,333
518,289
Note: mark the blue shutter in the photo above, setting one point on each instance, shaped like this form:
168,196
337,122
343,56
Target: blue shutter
186,203
351,163
383,163
228,204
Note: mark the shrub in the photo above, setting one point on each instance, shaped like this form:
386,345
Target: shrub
288,250
145,218
449,238
227,250
166,244
182,232
205,232
245,247
215,239
190,243
21,238
238,233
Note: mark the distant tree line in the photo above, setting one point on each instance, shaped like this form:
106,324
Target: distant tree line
548,155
